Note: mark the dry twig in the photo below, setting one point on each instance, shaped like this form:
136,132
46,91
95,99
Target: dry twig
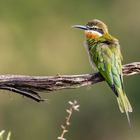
73,107
29,86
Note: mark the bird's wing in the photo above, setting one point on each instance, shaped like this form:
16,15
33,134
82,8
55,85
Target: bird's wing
108,61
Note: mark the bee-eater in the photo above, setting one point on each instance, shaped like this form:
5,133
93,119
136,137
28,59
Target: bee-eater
104,51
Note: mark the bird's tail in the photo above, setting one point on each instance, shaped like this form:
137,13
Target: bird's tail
124,104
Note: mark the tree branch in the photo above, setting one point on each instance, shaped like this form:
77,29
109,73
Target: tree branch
29,86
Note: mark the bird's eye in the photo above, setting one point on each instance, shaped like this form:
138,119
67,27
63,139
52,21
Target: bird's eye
95,28
98,30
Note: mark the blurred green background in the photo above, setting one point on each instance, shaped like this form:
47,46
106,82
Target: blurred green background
36,38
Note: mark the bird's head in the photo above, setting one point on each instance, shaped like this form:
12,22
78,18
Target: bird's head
93,29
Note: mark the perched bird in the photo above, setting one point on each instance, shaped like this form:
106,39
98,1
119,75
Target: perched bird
104,52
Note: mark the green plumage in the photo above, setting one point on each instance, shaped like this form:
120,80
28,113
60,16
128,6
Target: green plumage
104,52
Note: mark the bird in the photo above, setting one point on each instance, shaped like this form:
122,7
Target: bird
105,54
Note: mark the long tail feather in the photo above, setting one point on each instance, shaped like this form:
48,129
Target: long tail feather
124,104
128,118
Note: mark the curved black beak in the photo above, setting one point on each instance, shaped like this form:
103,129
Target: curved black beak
83,27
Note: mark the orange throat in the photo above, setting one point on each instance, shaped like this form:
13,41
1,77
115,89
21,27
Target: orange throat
92,34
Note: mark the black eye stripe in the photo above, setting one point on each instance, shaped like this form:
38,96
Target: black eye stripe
96,29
